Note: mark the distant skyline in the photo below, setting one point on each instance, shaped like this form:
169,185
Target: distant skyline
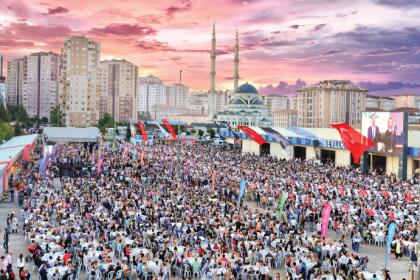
283,44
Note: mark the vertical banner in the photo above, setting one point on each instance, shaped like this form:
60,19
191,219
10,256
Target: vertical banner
164,132
148,160
143,132
241,191
186,174
113,146
172,167
107,146
119,149
213,178
171,130
41,166
391,232
46,165
101,160
325,218
161,162
134,156
142,157
281,205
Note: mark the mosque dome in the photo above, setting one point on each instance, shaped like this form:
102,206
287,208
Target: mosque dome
238,101
246,88
256,101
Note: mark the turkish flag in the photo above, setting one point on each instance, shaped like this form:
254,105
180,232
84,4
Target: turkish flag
385,194
342,191
363,193
354,141
252,134
292,197
169,127
143,132
371,212
345,208
409,197
391,216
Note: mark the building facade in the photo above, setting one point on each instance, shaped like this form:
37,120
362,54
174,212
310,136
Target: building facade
3,90
161,111
331,101
14,82
78,82
285,117
246,108
41,74
406,100
294,102
173,93
117,89
1,65
380,102
150,91
276,101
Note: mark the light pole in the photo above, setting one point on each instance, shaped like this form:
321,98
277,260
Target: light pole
179,125
115,116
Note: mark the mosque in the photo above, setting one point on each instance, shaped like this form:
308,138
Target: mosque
246,106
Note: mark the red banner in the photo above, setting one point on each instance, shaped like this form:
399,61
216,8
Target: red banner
409,197
213,178
342,191
391,216
363,193
371,212
385,194
325,217
171,130
354,141
252,134
143,132
345,208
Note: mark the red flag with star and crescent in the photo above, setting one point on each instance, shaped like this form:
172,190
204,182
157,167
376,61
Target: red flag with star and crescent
252,134
354,141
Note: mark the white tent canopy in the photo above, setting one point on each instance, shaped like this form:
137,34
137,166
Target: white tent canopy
72,134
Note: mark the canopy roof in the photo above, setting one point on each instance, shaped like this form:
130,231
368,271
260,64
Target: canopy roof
72,134
23,140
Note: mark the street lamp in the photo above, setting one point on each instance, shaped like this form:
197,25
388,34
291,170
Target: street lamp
179,125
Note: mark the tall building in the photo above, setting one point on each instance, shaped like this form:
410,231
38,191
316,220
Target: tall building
78,82
380,102
172,95
198,102
294,102
41,72
276,101
150,91
285,117
14,82
117,89
1,65
170,113
331,101
406,100
3,90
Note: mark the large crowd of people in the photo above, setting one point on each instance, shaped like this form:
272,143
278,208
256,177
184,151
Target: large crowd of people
149,216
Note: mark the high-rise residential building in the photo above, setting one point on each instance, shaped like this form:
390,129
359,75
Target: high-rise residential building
1,65
170,113
3,90
294,102
331,101
117,89
41,73
276,101
198,102
285,117
380,102
406,100
14,82
177,95
150,91
78,83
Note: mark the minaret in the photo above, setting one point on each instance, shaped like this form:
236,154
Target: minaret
212,74
236,61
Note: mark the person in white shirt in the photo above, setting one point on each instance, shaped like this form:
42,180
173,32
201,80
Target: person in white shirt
318,227
20,263
343,262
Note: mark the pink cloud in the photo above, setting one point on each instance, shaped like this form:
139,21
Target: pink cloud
249,32
56,10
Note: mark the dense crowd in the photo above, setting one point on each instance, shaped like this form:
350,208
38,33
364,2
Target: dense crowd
144,217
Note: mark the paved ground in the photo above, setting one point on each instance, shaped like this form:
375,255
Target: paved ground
398,269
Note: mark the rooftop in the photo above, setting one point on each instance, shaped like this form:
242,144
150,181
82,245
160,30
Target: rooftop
410,110
373,109
378,97
407,94
284,111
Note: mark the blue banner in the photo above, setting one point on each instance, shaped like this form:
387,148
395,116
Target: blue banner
41,165
107,146
391,232
134,156
303,133
120,148
241,190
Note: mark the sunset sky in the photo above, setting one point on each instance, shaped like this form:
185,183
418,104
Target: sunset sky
283,44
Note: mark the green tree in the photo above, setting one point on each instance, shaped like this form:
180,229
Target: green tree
128,134
55,116
148,116
2,112
13,112
106,122
44,119
200,133
8,117
117,132
193,130
6,131
18,130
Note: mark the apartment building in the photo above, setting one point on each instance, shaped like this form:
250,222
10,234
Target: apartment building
406,100
285,117
117,89
150,91
3,90
331,101
161,111
14,82
276,101
41,73
78,83
1,65
294,102
177,95
380,102
198,102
